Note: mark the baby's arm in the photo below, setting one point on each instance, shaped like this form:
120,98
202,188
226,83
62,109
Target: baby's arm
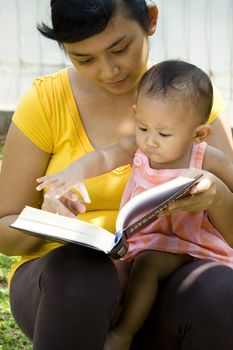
90,165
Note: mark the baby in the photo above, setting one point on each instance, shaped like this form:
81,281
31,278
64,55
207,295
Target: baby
173,103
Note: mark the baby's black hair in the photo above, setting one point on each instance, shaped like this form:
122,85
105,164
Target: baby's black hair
77,20
176,79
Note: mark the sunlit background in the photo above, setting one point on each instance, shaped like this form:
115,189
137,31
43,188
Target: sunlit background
198,31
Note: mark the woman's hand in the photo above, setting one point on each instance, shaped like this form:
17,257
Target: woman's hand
68,205
202,196
62,182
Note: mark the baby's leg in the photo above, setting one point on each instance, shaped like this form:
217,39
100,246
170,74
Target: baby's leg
147,269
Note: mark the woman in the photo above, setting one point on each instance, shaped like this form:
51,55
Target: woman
67,296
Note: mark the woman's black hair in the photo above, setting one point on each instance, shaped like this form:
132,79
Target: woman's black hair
77,20
179,80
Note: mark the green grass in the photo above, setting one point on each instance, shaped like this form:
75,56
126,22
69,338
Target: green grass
11,338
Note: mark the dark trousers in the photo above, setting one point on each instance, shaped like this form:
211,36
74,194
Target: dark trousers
66,300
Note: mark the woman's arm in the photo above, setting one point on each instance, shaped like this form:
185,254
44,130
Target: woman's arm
220,211
221,136
22,163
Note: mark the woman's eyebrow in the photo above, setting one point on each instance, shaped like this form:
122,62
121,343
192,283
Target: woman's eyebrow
116,42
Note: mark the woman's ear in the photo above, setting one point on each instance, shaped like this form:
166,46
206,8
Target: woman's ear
134,109
153,16
201,133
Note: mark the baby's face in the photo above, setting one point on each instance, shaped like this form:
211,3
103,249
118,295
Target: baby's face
165,131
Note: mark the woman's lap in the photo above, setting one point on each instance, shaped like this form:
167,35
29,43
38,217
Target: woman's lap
194,308
58,313
193,311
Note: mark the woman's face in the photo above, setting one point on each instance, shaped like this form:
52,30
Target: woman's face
114,59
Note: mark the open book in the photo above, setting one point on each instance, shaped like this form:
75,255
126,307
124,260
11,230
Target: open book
139,212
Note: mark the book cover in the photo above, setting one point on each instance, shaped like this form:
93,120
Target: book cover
142,210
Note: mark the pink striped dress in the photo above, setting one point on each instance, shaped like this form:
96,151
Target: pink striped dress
183,233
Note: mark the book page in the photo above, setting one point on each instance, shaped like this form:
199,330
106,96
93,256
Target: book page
149,200
60,228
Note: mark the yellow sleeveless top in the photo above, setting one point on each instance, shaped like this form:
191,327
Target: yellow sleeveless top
49,117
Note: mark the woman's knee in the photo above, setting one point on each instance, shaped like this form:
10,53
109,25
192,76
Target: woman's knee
193,310
196,307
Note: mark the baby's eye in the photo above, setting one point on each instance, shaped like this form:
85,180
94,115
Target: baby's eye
164,135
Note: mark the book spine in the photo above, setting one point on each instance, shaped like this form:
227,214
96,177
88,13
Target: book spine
120,249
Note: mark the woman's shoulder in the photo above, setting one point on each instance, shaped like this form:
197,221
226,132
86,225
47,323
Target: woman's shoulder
44,93
51,82
37,111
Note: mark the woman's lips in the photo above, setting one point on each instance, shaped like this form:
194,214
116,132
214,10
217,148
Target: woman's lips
116,83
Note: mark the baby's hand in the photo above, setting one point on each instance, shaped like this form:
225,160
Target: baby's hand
61,183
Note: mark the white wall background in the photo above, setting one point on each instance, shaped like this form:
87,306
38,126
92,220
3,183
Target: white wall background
199,31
